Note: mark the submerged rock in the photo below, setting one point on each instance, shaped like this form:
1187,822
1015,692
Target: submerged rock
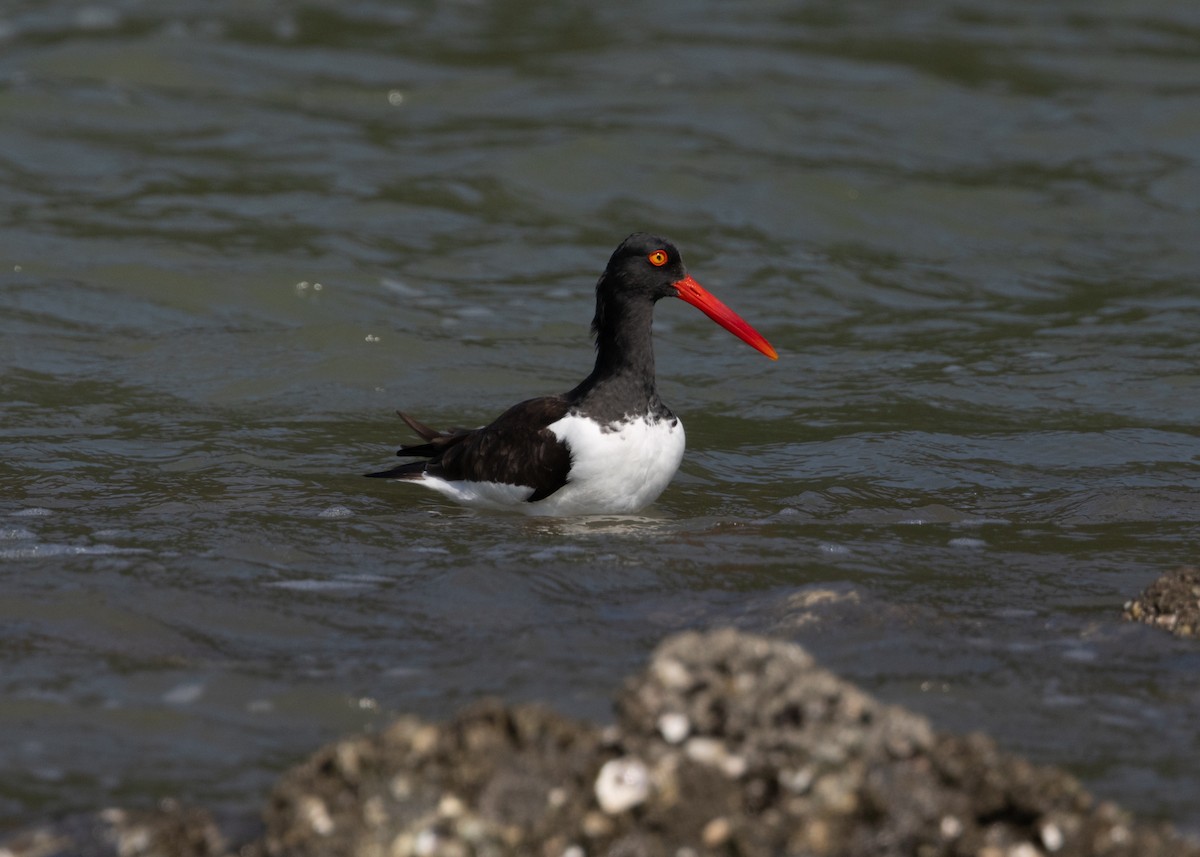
727,744
170,831
1171,602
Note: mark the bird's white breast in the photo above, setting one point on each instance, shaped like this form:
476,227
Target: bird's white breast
615,469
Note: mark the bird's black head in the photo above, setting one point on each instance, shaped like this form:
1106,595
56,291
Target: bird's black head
644,266
644,269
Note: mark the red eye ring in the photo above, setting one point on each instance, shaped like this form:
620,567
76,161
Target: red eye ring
658,258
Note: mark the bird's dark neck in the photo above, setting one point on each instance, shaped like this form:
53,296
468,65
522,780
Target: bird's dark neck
622,381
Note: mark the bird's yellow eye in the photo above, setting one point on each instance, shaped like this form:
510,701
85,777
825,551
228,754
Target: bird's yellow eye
658,258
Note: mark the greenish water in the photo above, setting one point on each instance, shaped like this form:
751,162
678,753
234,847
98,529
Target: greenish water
969,228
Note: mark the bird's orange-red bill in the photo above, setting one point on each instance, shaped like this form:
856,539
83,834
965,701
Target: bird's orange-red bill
689,290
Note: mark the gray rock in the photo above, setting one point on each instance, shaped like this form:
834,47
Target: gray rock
1171,602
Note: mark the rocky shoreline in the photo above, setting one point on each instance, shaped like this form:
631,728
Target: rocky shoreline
726,744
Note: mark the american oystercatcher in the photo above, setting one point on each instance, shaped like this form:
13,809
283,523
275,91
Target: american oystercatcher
609,446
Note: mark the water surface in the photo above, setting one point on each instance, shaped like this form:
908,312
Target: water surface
235,240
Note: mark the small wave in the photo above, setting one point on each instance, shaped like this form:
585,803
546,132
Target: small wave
42,551
15,534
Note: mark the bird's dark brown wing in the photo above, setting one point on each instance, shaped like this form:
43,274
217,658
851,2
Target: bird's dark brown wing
517,448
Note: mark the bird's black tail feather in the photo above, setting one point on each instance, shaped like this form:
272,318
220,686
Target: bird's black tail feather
437,442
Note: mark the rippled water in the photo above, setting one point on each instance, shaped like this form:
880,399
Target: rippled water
235,239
